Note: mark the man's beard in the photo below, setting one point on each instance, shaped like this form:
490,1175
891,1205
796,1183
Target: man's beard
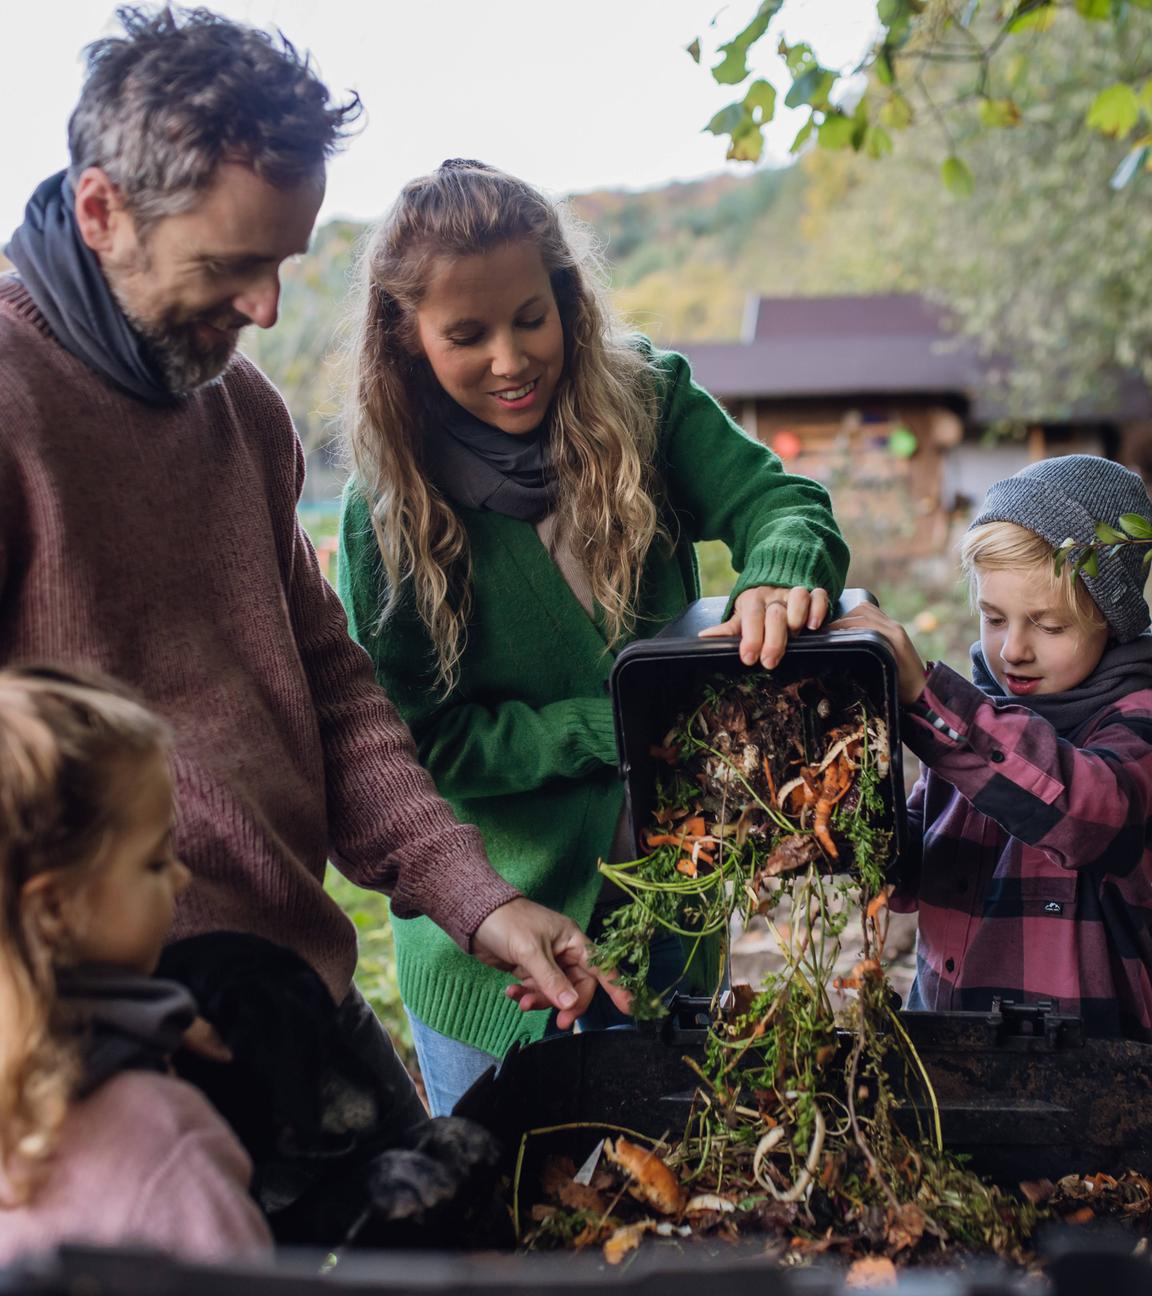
185,361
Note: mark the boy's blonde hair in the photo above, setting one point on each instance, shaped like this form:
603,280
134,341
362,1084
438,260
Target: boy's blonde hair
66,743
603,416
1004,546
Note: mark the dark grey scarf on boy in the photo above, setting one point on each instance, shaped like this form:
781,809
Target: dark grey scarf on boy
64,279
479,466
1124,669
127,1022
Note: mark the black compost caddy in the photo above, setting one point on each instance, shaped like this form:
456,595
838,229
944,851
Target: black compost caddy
1020,1089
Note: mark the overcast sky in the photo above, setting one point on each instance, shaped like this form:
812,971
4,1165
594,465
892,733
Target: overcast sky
570,94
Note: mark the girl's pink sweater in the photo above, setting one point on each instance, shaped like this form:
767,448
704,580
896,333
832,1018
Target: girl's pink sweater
144,1161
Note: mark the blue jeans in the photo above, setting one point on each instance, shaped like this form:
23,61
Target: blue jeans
449,1067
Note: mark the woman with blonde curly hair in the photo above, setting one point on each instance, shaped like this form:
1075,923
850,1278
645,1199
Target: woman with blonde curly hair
528,484
98,1144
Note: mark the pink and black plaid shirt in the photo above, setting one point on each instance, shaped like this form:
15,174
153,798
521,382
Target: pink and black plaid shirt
1029,858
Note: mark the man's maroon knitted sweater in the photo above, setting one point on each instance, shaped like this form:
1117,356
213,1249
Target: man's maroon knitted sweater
160,545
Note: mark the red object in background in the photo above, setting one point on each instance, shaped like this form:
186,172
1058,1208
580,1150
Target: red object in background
787,445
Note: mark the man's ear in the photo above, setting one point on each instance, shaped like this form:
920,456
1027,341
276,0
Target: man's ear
99,209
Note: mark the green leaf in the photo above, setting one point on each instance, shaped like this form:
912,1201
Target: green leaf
899,33
1115,111
957,178
877,142
733,67
747,144
1094,10
836,131
762,95
896,113
1058,560
1107,533
728,120
797,58
694,50
1145,95
1067,553
885,72
892,11
1091,565
1032,15
999,113
811,87
1147,560
802,136
1135,525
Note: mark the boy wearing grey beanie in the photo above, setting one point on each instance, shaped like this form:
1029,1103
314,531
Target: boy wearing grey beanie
1029,861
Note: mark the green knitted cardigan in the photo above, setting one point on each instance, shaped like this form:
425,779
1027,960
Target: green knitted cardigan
524,746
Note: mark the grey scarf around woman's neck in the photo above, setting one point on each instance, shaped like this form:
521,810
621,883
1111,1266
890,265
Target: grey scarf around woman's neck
64,279
478,466
1124,668
127,1022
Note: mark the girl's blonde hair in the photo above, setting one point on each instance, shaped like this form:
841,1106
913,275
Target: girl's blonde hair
602,420
65,742
1003,546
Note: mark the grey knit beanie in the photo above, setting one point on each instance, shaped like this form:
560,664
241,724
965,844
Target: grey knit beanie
1064,498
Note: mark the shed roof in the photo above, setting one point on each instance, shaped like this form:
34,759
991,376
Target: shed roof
895,344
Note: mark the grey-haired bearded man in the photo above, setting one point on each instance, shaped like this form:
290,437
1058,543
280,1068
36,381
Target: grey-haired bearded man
148,481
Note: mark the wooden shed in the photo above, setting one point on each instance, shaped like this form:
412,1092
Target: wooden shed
876,397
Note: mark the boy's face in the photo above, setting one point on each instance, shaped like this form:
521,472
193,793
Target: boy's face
1030,642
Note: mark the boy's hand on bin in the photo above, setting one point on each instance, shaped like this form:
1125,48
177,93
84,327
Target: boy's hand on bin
909,663
765,616
548,955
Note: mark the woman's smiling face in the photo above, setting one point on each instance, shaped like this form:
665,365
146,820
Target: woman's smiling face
1030,641
490,329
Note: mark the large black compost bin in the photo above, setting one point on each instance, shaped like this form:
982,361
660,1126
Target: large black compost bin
1019,1090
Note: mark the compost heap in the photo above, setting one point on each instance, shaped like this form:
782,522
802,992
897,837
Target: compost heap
775,794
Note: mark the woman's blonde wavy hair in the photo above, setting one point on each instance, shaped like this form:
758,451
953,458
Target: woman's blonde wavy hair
602,419
66,744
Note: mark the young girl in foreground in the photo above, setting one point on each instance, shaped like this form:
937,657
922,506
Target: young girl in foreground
528,486
97,1143
1031,866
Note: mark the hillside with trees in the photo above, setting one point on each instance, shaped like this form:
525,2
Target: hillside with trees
1041,253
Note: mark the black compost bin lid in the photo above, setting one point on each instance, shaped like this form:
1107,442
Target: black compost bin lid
654,679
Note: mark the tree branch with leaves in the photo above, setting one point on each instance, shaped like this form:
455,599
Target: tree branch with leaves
1076,556
959,64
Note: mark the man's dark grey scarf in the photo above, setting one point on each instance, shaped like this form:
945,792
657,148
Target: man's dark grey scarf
127,1022
64,279
479,466
1124,669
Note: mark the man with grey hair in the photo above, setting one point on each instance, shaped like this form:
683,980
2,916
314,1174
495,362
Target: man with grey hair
149,476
